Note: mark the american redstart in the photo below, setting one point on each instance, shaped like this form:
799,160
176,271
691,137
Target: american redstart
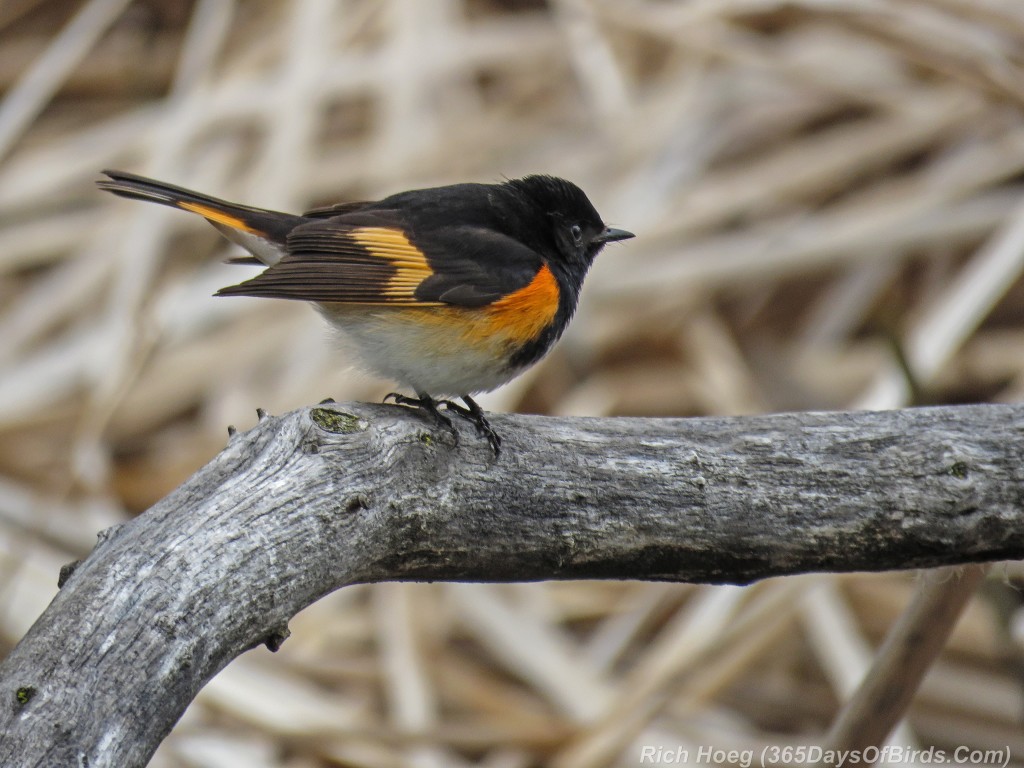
449,291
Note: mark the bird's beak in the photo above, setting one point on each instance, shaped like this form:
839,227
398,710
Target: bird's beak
610,235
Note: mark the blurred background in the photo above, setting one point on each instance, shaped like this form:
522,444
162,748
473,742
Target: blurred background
829,206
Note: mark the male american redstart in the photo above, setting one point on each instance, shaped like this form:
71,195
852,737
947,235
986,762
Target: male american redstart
449,291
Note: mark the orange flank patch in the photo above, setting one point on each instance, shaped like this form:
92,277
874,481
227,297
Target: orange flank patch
212,214
522,315
512,320
411,267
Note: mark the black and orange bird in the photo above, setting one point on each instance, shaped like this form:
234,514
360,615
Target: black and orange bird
449,291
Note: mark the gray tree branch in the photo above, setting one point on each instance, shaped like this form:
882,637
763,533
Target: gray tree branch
340,494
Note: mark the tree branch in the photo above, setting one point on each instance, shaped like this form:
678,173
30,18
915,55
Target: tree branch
346,493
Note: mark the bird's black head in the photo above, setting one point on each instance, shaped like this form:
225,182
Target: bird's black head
556,217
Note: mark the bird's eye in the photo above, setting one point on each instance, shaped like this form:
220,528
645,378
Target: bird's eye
577,233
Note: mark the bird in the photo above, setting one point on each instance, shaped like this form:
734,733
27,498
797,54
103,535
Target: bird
448,291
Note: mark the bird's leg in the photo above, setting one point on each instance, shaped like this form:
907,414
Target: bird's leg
428,405
475,414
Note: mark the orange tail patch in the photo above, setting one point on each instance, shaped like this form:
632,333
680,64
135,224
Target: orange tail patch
218,216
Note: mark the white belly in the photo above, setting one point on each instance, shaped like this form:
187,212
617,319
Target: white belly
423,349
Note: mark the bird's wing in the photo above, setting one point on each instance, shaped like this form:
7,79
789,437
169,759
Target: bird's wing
374,257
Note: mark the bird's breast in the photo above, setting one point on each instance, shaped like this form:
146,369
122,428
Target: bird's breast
452,350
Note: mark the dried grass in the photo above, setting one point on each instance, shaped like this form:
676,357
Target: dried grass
814,185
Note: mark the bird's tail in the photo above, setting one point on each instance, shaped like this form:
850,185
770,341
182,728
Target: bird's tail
258,230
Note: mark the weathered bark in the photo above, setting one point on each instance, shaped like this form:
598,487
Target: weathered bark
340,494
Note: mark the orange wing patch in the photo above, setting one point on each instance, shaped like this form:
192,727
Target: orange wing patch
522,315
409,262
212,214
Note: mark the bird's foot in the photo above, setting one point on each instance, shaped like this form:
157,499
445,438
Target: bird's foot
428,405
474,414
